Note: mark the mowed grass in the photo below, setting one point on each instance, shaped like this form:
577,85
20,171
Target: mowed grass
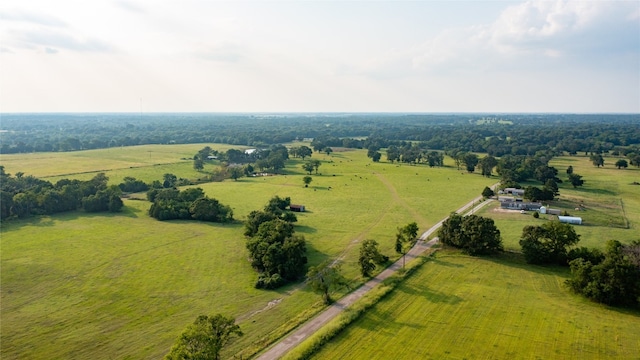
612,205
124,285
460,307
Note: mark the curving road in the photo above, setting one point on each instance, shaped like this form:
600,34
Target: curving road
313,325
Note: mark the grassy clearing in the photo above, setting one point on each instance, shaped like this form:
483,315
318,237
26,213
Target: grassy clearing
460,307
125,285
612,205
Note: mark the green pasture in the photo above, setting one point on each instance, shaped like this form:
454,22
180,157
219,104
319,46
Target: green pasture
124,285
144,162
611,205
459,307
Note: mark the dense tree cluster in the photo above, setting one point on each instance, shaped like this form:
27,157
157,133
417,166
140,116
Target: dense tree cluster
276,252
612,279
23,196
475,235
548,243
276,208
516,134
133,185
172,204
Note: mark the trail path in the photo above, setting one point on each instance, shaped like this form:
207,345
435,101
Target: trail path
313,325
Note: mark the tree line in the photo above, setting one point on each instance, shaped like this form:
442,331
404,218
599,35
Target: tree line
23,196
518,134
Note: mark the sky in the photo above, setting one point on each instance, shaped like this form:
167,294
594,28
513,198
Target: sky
319,56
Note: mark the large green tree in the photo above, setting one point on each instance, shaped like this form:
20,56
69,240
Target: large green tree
369,257
405,238
576,180
325,278
470,161
548,243
304,151
308,167
622,163
487,164
205,338
475,235
597,160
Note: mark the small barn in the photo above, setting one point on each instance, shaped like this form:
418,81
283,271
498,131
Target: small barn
296,208
570,220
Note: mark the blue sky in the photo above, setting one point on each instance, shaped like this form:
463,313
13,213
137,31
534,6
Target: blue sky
319,56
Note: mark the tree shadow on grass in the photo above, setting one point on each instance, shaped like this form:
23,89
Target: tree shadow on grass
430,295
303,229
17,224
379,322
49,220
516,260
581,189
441,262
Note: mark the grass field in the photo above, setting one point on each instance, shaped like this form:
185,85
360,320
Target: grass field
459,307
145,162
612,205
125,285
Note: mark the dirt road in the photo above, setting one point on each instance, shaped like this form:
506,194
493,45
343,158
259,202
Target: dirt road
313,325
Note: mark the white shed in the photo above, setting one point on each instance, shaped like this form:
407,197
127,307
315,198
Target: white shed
570,220
543,210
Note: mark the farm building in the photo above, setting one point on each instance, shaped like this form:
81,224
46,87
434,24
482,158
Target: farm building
514,191
570,220
296,208
250,151
520,205
550,211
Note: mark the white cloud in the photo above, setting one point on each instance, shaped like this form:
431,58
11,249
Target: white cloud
200,55
37,39
33,17
538,31
130,6
225,52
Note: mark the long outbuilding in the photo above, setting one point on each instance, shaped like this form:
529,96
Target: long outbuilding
570,220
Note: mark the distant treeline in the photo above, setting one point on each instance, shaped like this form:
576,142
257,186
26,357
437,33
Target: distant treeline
495,134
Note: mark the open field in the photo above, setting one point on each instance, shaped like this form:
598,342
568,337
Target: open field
612,205
145,162
125,285
460,307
